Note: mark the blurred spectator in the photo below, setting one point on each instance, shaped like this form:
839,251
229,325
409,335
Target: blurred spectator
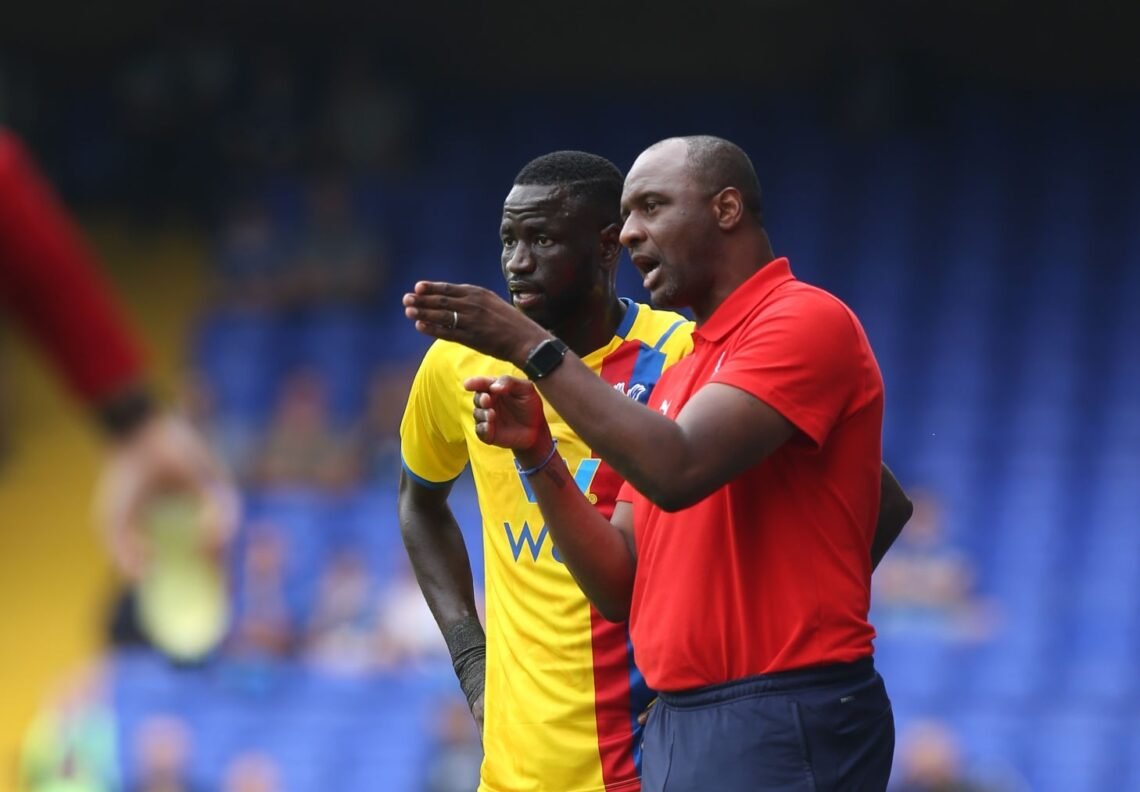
71,744
368,122
376,439
408,635
267,138
264,625
252,258
232,439
930,760
456,756
341,638
124,628
927,586
252,772
301,449
162,754
50,283
339,262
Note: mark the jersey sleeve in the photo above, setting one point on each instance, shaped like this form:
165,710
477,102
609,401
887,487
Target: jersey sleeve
51,284
804,361
432,443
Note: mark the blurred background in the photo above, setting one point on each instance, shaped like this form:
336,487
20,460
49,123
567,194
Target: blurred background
264,181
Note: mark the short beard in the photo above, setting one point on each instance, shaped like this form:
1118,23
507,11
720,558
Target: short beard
668,296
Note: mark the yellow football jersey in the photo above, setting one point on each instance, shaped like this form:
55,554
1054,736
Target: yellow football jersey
563,693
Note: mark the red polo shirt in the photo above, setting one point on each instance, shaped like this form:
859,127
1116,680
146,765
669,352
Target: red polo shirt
771,572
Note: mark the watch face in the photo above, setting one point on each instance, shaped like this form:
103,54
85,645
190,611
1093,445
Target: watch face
545,358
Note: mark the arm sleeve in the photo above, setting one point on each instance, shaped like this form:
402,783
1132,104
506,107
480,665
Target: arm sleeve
804,361
51,284
433,446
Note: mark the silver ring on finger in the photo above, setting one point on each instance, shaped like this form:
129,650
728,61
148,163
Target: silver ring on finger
454,319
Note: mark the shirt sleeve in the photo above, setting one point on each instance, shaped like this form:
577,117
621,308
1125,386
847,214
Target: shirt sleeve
433,446
804,360
51,284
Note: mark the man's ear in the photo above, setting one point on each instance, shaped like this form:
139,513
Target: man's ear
610,242
728,205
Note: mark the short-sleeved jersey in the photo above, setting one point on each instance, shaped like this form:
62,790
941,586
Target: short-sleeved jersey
563,692
772,571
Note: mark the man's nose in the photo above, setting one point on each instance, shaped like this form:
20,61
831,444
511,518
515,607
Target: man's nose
632,232
520,260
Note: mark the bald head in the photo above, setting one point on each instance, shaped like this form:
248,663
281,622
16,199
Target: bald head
716,163
691,208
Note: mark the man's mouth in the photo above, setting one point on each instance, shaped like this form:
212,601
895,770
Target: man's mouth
650,269
524,295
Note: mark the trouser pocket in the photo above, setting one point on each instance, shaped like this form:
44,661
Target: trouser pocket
741,745
848,735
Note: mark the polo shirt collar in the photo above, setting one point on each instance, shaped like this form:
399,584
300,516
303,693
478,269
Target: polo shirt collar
747,296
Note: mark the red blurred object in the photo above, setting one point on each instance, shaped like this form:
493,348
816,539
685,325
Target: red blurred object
50,282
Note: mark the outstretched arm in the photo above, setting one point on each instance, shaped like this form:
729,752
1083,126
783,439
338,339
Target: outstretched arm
721,432
598,552
51,284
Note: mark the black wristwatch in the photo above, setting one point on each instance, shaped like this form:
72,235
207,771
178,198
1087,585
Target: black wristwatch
544,358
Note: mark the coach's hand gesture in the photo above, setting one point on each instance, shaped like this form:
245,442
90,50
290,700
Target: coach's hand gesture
475,317
508,413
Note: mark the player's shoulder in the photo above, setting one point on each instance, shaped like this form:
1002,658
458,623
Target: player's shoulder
655,326
809,301
813,310
452,358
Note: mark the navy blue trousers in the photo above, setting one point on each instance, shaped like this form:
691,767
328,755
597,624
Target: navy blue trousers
814,730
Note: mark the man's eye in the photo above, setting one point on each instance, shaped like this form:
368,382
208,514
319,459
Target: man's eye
508,241
651,206
543,241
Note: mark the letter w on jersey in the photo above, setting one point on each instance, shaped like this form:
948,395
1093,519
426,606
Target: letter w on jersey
525,537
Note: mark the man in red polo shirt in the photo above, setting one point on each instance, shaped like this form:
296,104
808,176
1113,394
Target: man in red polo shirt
743,542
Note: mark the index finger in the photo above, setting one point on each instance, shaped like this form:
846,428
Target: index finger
436,287
478,383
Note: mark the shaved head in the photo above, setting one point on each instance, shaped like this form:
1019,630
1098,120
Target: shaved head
693,226
716,163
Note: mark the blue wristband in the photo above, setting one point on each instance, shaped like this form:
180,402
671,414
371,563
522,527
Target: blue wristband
528,472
